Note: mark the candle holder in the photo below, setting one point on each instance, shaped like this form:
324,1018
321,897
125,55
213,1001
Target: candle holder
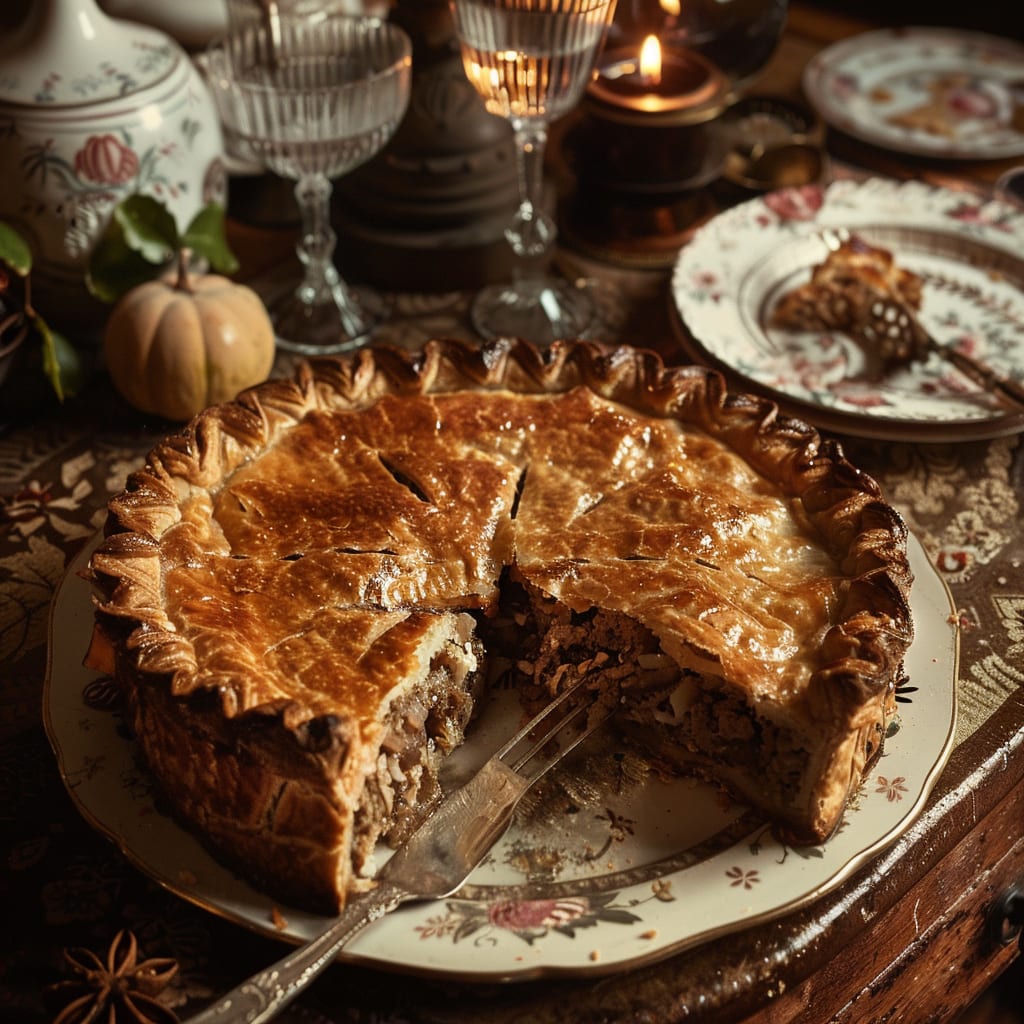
686,89
738,37
649,152
642,152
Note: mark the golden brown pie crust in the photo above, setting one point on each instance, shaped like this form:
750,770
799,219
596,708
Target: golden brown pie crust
280,570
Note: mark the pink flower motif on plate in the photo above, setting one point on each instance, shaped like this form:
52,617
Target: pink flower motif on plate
801,204
973,102
980,214
892,788
516,915
860,399
533,920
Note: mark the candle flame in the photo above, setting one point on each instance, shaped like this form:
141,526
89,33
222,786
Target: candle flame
672,7
650,60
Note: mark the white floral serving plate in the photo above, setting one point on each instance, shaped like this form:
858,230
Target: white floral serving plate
936,92
607,867
968,251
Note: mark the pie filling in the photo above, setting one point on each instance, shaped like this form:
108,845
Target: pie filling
302,592
421,727
686,721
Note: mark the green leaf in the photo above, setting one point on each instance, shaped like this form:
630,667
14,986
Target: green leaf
51,364
148,227
205,236
62,365
115,267
141,240
14,251
71,364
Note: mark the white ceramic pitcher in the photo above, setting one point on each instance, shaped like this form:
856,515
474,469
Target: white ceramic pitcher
93,109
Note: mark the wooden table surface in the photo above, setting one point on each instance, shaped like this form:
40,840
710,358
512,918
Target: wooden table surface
908,938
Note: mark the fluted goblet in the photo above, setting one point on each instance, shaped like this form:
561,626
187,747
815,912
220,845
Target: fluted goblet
311,95
530,61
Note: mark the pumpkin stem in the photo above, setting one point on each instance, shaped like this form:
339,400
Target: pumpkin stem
184,281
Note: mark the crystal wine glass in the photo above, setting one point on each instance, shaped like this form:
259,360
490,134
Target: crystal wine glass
530,61
312,96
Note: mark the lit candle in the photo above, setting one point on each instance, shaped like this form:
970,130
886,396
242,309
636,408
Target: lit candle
650,62
631,76
656,82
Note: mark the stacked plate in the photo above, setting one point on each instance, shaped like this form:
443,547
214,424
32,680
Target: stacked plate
932,92
965,248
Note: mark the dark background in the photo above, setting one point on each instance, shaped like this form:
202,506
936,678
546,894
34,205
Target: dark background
1000,17
1005,19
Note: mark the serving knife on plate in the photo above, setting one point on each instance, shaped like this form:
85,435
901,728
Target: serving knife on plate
899,338
436,859
889,329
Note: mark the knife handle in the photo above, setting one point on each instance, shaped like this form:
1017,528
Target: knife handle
264,994
986,376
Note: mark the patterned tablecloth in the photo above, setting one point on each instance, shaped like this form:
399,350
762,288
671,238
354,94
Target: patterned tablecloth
65,888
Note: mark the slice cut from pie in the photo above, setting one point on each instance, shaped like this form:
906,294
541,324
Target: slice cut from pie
849,292
300,592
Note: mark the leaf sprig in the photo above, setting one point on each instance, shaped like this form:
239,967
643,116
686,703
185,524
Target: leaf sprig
142,238
61,363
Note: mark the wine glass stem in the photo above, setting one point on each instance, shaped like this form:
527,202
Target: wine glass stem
315,247
532,232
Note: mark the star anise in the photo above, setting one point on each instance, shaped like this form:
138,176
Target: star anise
120,991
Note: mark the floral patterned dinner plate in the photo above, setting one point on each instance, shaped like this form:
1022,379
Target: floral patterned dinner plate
968,252
934,92
606,867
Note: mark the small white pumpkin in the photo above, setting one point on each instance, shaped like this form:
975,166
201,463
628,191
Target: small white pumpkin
184,342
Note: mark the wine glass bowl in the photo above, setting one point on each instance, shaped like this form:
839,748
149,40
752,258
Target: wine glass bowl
530,61
311,96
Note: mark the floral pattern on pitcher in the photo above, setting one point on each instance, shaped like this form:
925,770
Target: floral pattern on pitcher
104,169
109,79
94,108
